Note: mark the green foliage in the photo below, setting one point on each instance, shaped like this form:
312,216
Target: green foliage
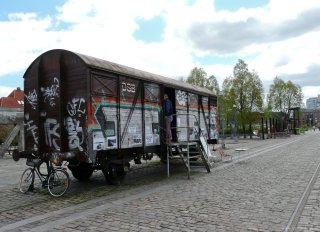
200,78
197,77
243,95
212,84
4,131
284,95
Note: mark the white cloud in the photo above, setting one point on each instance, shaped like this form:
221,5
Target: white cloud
311,91
282,10
219,71
5,91
24,35
105,29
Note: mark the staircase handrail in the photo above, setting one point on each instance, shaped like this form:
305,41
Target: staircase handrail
200,132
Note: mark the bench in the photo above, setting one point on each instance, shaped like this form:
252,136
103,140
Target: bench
239,150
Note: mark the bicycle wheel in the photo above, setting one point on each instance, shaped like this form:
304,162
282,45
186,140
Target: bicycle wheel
58,182
27,180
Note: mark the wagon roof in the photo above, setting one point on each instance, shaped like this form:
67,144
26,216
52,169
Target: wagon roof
125,70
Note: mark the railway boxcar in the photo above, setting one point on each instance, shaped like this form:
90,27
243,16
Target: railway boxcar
101,115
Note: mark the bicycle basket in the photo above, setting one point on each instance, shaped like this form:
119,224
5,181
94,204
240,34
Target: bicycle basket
33,162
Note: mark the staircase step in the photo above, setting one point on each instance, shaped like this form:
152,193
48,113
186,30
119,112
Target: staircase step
190,153
198,156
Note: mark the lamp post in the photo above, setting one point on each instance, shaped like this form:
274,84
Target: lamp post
262,127
234,124
222,123
310,122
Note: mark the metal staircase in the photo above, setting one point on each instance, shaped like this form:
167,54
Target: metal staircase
13,133
190,152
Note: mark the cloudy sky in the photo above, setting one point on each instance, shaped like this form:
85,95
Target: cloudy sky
168,37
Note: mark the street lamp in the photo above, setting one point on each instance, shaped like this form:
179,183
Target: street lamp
222,122
234,124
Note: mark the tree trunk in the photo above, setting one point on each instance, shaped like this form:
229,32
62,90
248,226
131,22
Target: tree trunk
244,130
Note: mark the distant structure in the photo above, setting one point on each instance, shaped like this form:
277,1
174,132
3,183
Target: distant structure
14,99
11,113
313,103
310,117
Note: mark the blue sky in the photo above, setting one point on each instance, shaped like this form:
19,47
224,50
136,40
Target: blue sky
42,8
156,25
168,37
232,5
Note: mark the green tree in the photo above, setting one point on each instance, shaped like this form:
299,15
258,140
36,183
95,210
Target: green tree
284,95
294,95
212,84
243,95
197,77
228,95
276,95
254,94
200,78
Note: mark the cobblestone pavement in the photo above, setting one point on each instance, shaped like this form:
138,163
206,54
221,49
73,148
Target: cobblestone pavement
273,185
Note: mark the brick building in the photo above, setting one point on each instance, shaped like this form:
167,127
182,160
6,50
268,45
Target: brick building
310,117
14,99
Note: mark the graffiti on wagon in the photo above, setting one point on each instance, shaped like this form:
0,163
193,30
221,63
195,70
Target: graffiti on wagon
49,93
76,109
32,98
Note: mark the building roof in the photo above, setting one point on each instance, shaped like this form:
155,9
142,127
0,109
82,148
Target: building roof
14,99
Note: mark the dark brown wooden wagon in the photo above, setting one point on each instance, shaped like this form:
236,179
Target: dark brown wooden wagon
101,115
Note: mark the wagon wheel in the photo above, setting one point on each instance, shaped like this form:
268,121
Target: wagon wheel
81,172
114,173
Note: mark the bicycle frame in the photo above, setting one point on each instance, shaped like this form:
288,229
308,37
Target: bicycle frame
56,179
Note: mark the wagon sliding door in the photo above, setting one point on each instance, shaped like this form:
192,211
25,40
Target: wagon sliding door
182,115
187,110
130,113
152,107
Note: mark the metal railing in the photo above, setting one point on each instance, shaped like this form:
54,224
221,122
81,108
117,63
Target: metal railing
202,145
199,130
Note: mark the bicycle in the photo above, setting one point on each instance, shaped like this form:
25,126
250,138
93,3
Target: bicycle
56,180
